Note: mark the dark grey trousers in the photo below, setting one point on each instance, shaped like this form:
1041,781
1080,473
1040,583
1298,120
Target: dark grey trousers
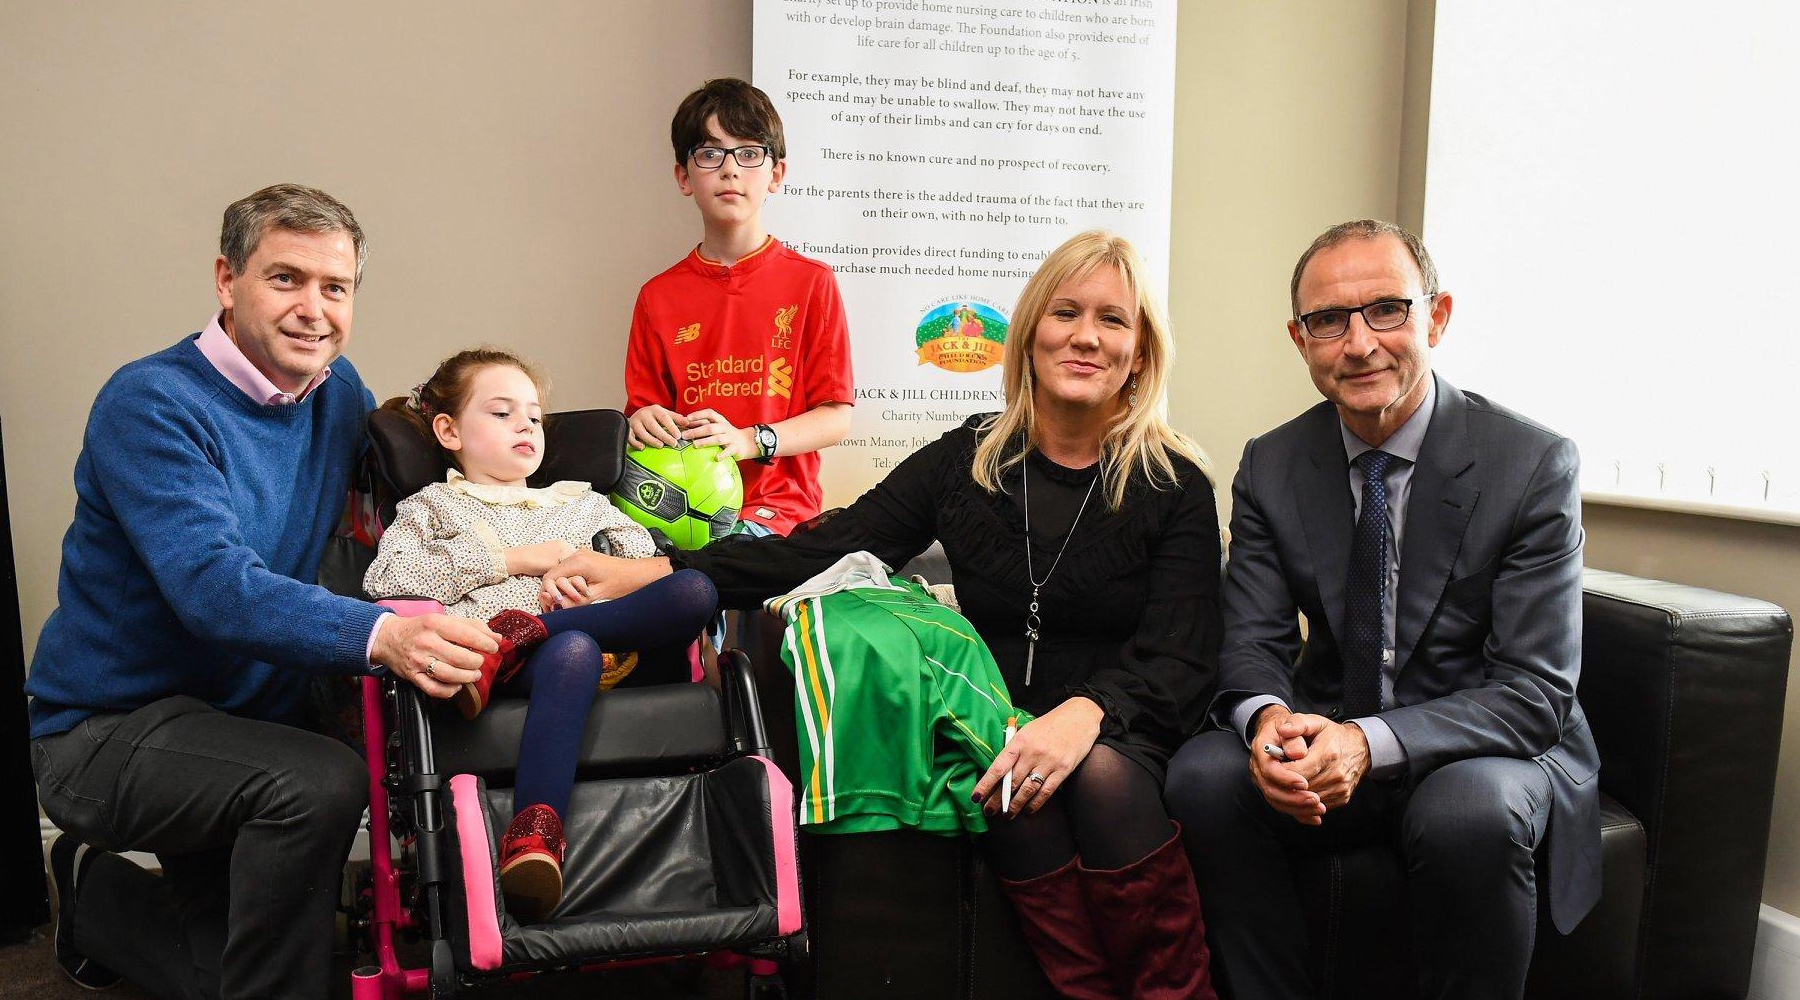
1467,832
252,822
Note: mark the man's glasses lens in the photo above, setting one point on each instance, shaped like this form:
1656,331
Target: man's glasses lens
712,157
1381,316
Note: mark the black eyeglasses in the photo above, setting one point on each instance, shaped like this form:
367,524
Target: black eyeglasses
712,157
1382,315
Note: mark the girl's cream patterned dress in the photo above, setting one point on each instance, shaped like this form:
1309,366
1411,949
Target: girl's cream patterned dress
448,541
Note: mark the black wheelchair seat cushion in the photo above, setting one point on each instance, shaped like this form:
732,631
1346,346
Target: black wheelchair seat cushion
655,866
584,445
627,728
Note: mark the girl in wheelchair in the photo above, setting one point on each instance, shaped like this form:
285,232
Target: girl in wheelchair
480,543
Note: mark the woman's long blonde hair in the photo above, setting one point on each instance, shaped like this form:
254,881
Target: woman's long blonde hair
1140,436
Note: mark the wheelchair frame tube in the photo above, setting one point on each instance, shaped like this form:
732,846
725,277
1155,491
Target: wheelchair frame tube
384,886
740,701
428,813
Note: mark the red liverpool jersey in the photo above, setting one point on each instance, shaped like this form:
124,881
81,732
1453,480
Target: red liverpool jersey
760,341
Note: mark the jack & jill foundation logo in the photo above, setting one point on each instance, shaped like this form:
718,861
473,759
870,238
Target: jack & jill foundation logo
961,334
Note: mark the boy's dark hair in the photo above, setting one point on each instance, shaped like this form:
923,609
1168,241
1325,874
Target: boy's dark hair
743,111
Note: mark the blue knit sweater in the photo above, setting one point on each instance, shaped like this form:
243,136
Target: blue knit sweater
200,517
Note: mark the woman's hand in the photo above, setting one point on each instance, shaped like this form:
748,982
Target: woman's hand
1050,746
654,426
568,592
537,559
604,577
707,427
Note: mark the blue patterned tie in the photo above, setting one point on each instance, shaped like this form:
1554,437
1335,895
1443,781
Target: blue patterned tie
1365,592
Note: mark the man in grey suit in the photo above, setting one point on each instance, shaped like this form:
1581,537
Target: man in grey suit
1432,542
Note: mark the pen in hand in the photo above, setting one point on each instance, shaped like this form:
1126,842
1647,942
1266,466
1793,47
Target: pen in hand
1275,751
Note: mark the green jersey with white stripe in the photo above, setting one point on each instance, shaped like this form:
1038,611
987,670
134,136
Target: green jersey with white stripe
901,709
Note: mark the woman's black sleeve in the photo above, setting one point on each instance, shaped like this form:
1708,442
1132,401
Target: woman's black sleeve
1158,687
896,520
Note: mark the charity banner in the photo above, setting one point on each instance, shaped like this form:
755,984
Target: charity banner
937,152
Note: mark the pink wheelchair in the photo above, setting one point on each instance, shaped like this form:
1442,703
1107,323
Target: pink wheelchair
681,832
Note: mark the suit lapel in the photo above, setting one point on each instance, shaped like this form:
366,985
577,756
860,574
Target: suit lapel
1327,511
1438,508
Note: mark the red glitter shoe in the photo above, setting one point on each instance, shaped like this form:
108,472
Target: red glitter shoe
519,632
531,856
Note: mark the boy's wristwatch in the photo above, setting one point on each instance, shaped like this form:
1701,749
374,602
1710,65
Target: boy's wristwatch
765,443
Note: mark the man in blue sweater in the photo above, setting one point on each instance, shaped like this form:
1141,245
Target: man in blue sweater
168,685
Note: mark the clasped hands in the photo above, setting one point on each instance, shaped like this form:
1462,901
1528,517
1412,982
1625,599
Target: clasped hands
1326,761
653,426
573,576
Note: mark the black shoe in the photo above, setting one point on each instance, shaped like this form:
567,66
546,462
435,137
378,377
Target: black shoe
68,858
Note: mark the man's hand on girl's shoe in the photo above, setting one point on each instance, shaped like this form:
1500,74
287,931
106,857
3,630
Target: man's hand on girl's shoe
436,653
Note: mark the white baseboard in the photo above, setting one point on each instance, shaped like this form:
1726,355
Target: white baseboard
1775,971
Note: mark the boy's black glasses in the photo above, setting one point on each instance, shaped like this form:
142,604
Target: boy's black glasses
712,157
1387,314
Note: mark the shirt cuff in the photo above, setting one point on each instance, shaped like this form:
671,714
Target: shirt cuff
1386,756
377,669
1246,710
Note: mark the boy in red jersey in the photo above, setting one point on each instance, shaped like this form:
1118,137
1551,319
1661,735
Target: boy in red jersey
743,343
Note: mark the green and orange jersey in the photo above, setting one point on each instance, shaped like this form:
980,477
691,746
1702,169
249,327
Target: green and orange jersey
760,341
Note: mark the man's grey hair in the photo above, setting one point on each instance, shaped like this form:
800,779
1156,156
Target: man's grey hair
1365,229
293,207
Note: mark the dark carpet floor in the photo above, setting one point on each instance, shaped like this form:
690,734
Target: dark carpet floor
28,969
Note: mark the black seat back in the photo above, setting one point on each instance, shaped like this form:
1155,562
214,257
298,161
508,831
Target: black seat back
584,445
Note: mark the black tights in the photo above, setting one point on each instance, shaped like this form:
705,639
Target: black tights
1109,812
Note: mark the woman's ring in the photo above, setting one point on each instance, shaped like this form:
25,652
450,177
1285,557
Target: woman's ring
429,672
1034,776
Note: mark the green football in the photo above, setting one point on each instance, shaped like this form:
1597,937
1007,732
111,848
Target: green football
691,494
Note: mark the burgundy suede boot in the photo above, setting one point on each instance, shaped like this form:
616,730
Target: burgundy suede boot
1053,914
1148,918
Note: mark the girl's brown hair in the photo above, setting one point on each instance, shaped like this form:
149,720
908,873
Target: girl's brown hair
447,390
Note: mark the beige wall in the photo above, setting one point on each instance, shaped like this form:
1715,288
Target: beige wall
1260,87
508,164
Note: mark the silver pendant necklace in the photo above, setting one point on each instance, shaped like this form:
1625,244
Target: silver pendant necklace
1032,622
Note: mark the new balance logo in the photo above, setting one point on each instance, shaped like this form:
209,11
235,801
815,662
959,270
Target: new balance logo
781,378
688,334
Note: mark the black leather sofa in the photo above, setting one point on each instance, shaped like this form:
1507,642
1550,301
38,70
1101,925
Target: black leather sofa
1684,688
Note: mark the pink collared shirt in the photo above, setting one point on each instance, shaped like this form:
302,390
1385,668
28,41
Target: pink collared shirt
225,355
229,359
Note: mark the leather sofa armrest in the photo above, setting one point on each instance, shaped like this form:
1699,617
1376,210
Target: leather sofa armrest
1684,689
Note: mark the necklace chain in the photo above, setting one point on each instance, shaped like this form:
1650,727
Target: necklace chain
1032,622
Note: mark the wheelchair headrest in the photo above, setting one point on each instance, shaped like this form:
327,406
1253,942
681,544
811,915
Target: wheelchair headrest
588,445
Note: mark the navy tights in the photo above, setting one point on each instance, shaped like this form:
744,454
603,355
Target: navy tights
562,676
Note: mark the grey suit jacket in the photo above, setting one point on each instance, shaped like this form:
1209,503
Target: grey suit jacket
1488,627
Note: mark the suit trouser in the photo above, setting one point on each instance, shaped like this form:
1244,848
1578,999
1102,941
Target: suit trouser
252,822
1467,832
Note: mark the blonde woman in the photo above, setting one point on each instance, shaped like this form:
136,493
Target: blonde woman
1080,499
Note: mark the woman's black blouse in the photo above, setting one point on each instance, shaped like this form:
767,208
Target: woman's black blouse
1130,615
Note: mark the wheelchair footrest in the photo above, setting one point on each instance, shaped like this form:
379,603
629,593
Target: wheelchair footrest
654,865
